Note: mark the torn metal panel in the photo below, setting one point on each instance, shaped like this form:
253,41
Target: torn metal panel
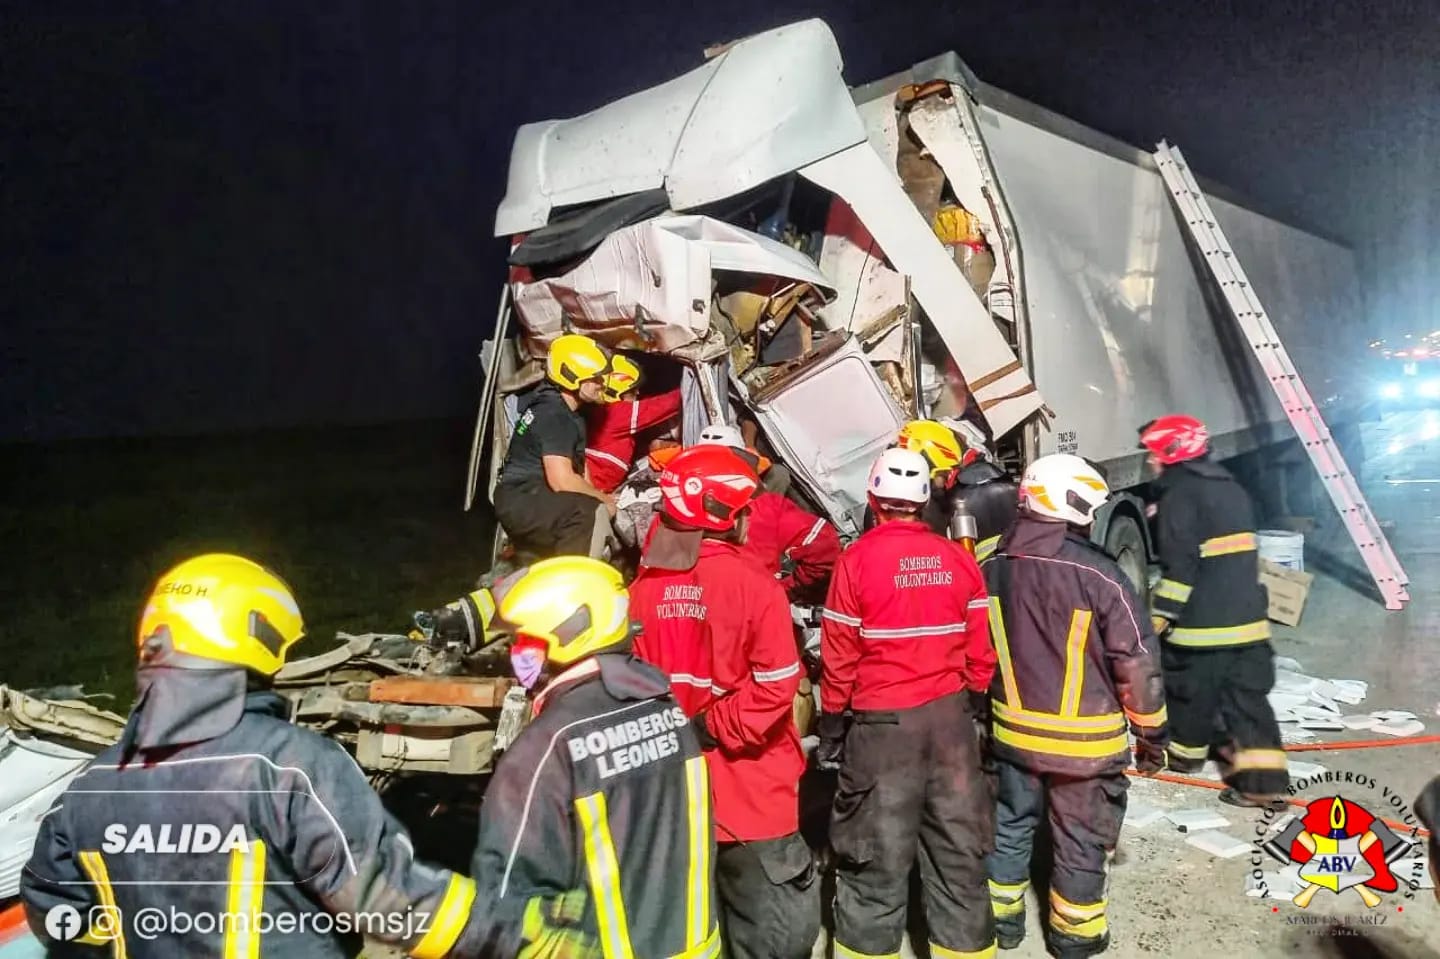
1004,391
828,416
767,105
649,286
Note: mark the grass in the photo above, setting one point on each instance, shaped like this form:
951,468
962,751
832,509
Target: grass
365,523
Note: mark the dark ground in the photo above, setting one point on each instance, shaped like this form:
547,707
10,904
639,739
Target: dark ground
365,523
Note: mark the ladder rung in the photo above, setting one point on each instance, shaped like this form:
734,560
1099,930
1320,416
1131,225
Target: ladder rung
1300,409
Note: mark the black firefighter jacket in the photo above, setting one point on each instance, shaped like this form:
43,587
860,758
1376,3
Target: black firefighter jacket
264,841
1210,587
1077,656
605,790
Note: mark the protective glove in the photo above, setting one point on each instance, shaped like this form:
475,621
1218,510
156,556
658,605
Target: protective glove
702,732
831,748
1150,757
1161,625
552,930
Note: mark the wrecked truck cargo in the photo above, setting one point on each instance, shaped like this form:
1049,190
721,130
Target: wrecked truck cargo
996,264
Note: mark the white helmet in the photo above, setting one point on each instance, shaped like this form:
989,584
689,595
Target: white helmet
900,475
1063,486
721,434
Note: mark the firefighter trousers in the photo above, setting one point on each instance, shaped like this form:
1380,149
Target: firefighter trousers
1085,816
769,895
911,789
1217,704
542,523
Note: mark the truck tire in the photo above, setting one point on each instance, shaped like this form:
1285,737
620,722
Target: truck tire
1124,541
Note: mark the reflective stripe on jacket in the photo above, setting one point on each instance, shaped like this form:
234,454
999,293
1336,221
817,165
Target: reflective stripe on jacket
1079,663
722,632
267,821
1209,565
606,790
779,528
905,622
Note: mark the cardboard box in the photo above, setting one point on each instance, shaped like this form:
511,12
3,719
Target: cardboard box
1288,591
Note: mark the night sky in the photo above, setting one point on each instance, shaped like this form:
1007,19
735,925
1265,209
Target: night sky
223,215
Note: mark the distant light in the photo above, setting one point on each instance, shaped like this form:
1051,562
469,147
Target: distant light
1396,446
1430,389
1430,431
1392,391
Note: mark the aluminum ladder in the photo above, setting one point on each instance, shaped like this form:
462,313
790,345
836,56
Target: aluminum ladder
1300,407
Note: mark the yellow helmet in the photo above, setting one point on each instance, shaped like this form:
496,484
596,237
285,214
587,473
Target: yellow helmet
577,605
935,441
573,359
225,609
623,377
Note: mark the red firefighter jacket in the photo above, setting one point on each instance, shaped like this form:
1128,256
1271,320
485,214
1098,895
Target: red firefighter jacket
1078,659
905,622
611,432
722,632
778,527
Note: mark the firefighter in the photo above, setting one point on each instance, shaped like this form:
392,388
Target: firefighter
606,784
543,499
960,472
616,426
1077,663
719,625
779,530
208,753
1210,611
904,636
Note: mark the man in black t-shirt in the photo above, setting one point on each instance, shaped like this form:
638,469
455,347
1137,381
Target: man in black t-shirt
543,499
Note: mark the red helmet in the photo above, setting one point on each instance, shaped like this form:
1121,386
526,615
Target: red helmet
706,487
1175,438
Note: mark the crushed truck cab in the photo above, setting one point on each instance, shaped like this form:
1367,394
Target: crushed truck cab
828,262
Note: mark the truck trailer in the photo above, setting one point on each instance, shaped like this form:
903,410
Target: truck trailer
832,261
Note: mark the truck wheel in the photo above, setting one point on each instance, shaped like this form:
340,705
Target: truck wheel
1124,542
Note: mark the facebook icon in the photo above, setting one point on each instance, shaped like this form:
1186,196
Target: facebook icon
63,923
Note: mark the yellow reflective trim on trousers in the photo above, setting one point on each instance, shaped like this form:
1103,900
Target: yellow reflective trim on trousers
244,902
1260,759
1188,752
940,952
1051,722
1075,910
699,830
1173,590
1008,890
1085,929
603,867
986,548
1225,545
1006,909
1079,749
1002,652
94,868
1074,681
1221,635
449,919
843,951
1149,720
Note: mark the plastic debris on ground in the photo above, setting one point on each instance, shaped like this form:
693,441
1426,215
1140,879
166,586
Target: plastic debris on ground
1322,725
1196,820
1301,770
1218,844
1292,735
1360,722
1285,884
1399,727
1388,714
1140,815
